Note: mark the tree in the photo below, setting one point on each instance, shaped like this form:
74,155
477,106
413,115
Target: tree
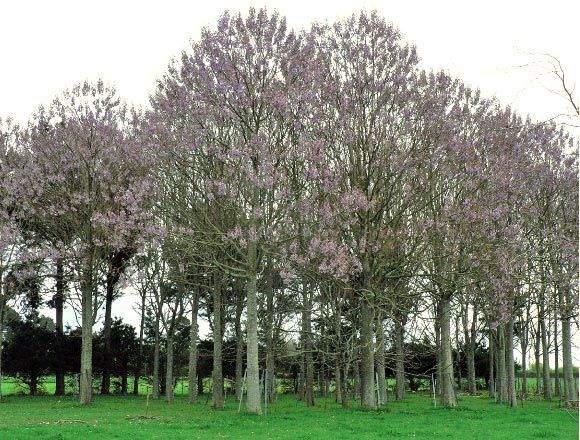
82,172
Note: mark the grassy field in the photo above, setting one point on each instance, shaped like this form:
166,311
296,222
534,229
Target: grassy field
115,417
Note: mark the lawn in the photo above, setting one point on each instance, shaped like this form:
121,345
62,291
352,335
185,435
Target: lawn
116,417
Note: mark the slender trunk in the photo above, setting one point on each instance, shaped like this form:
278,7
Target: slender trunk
337,382
471,388
524,368
33,385
524,349
445,355
193,337
340,381
139,366
470,342
344,383
307,344
545,360
356,378
511,373
169,385
567,312
107,355
537,359
217,378
2,307
253,404
270,360
368,398
86,376
458,352
380,359
86,385
124,380
492,391
501,367
399,359
556,360
59,330
239,339
569,384
156,350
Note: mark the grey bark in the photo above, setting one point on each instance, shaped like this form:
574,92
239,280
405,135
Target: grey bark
368,398
445,356
537,354
270,352
139,366
169,384
217,378
239,338
253,404
86,385
492,391
156,351
547,385
59,330
380,360
502,389
193,354
511,373
307,344
399,359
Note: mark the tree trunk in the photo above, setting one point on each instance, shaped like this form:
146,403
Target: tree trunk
253,404
270,360
368,400
502,388
356,378
399,359
107,356
537,355
239,339
307,344
380,359
445,356
33,385
156,350
511,373
86,385
567,312
193,354
139,366
556,360
470,342
471,387
124,380
458,353
2,307
337,382
492,390
545,360
217,400
438,352
59,330
169,385
524,349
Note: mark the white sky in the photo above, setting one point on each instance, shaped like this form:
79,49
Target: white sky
47,46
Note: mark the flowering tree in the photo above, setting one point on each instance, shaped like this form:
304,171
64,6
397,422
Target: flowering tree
224,114
82,174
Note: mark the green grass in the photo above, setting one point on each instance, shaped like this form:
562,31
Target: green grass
116,417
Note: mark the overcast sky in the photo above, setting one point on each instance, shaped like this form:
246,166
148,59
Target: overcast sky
47,46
